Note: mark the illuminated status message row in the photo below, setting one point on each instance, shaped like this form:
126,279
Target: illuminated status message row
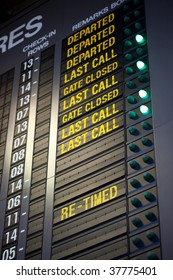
90,98
87,87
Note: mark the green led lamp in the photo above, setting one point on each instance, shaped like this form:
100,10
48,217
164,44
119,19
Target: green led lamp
129,57
142,79
146,126
127,31
141,65
136,202
127,19
150,197
138,26
131,99
148,177
143,94
152,256
137,222
128,44
139,39
134,165
147,159
134,148
133,115
146,142
130,84
135,183
144,110
140,51
137,242
126,8
129,70
152,236
133,131
137,14
136,2
150,216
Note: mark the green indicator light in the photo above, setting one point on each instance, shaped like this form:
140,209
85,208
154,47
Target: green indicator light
152,236
135,183
132,115
144,110
140,51
131,100
127,31
143,94
143,79
134,148
141,65
129,70
146,142
152,256
130,84
138,26
133,131
127,19
137,14
148,177
150,216
145,125
129,57
147,159
136,2
137,222
137,242
139,39
136,202
126,8
128,44
134,165
149,196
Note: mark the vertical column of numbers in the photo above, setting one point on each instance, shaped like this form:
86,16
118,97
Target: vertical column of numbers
16,177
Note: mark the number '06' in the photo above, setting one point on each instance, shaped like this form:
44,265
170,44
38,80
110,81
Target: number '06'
13,202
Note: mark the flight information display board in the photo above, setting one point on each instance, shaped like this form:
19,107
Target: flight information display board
82,179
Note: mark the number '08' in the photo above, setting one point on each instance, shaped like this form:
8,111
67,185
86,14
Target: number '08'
17,156
17,170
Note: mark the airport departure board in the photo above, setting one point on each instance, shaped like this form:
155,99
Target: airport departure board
77,152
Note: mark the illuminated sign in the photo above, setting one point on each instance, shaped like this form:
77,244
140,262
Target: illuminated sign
82,159
91,134
89,202
88,106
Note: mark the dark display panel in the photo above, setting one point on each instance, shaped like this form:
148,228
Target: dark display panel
100,194
104,97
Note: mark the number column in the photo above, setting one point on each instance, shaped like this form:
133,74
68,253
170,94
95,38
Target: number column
16,177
